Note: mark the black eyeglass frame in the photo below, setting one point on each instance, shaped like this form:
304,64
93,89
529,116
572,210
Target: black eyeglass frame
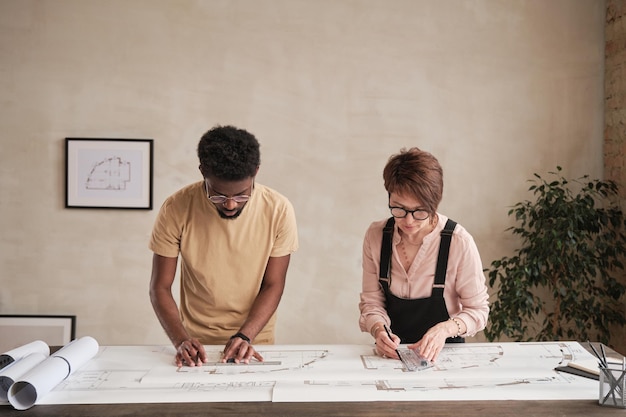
406,213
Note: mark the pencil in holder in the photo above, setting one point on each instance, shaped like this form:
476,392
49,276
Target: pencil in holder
612,387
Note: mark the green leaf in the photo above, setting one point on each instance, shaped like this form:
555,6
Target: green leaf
560,282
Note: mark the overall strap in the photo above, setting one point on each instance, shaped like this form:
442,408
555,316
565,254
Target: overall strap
442,259
385,251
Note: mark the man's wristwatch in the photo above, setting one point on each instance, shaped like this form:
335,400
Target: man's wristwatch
241,336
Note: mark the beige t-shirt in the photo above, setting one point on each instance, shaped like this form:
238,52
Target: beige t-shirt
223,260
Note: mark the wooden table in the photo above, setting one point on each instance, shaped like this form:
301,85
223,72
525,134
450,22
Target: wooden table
586,408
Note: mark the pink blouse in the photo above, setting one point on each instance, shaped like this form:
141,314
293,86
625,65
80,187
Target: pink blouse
465,291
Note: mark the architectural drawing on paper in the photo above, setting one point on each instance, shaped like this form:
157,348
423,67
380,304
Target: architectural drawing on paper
469,356
273,361
485,355
462,357
105,380
109,174
470,371
122,379
419,384
465,383
228,386
374,362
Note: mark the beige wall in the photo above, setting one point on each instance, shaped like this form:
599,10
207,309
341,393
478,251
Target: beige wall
496,90
615,116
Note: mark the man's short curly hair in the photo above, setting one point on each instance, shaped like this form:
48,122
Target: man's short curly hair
229,153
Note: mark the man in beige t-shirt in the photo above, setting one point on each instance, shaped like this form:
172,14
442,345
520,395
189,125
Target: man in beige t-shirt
234,239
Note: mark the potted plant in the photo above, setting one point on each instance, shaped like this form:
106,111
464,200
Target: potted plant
563,282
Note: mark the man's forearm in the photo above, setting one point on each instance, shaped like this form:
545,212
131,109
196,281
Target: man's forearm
167,312
263,308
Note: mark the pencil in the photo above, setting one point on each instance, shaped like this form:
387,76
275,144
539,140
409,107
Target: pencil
595,352
389,334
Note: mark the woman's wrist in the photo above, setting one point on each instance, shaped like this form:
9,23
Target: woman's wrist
456,327
376,328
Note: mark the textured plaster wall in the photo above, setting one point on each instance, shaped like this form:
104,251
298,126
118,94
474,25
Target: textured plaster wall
615,114
497,90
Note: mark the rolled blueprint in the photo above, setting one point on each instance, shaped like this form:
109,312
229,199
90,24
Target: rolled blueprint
40,380
11,373
22,351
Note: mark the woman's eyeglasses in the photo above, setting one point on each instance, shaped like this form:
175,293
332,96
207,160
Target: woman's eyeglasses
401,213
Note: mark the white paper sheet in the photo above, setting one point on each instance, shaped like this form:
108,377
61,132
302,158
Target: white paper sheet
41,379
297,373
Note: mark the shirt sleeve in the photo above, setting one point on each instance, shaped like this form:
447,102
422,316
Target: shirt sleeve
287,232
166,234
470,288
372,303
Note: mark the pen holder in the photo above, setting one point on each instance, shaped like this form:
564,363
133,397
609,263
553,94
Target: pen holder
612,387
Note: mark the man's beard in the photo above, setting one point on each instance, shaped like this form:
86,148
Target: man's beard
234,216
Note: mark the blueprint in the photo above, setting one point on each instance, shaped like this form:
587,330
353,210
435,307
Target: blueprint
315,373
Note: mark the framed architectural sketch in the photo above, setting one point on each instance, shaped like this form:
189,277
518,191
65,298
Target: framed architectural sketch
108,173
17,330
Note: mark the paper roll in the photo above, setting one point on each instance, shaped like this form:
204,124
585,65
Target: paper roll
40,380
16,370
20,352
78,352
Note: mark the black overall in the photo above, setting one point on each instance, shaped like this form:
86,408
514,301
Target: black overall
411,318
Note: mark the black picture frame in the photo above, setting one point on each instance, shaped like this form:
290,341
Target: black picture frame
19,329
109,173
